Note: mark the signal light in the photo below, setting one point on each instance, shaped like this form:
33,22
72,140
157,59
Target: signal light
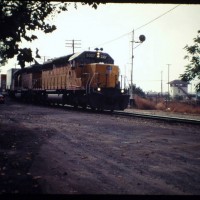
142,38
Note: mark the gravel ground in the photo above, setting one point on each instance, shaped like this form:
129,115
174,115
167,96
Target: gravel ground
47,150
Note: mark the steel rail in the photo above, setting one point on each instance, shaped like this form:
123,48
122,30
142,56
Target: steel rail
169,119
138,115
158,117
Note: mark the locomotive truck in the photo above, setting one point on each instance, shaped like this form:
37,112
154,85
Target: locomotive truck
85,79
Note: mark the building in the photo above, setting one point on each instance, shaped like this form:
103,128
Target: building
178,90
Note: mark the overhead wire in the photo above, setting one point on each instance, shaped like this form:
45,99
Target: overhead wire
156,18
140,26
113,39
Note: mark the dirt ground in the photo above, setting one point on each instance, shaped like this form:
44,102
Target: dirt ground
47,150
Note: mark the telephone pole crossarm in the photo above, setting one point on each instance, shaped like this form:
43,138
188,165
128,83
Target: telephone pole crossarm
73,44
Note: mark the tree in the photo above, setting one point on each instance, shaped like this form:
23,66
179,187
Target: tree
137,90
193,68
19,18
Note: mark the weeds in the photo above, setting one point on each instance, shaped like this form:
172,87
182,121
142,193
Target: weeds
172,106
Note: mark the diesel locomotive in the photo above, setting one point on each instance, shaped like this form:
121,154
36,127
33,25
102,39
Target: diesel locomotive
85,79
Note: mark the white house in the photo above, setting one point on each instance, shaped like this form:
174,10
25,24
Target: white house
178,89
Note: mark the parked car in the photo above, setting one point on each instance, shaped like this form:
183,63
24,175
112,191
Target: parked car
2,98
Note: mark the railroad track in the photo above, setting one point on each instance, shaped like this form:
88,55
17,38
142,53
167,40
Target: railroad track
168,119
158,117
133,114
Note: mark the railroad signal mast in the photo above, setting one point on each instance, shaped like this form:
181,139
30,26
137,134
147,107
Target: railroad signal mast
142,38
72,44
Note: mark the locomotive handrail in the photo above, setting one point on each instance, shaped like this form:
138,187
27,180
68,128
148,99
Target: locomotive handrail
87,82
36,82
92,80
124,79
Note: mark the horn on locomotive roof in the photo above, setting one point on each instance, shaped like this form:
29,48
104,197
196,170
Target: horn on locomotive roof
97,49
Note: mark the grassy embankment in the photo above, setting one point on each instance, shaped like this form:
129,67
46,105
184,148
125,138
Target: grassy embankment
172,106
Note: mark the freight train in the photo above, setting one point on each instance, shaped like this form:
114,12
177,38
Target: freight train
85,79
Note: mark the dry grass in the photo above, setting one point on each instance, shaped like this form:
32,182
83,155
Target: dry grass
144,104
179,107
184,108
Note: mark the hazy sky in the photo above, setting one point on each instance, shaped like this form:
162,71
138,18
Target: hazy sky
111,26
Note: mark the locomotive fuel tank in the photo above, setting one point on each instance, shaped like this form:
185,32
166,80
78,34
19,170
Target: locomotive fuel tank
55,98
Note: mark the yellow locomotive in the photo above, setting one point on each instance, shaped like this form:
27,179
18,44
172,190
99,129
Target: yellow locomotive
86,79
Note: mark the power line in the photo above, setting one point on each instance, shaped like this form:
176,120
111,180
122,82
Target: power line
157,17
139,80
139,26
114,39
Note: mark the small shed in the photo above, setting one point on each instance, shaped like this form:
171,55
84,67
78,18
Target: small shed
178,89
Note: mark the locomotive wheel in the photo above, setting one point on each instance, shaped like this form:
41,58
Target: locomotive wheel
84,106
100,109
75,106
92,108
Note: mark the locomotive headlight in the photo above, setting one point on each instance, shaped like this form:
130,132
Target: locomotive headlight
98,54
122,90
98,89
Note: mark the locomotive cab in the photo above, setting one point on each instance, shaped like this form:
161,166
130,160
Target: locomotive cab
102,87
101,75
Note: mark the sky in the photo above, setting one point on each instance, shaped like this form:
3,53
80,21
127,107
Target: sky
158,59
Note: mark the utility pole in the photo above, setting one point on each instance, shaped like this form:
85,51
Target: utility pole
132,56
168,79
72,44
141,40
161,84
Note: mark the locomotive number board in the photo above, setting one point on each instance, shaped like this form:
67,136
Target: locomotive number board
94,55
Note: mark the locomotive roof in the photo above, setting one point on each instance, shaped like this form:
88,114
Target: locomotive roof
56,61
84,57
87,57
32,68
